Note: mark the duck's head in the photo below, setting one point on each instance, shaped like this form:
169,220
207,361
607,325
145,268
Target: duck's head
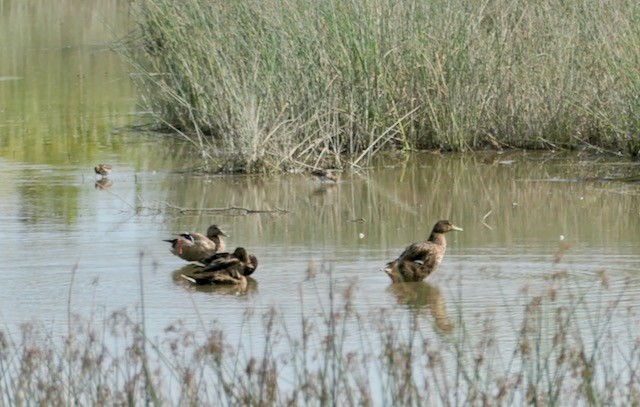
444,226
254,261
214,231
241,254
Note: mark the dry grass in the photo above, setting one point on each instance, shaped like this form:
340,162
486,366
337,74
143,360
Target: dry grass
560,352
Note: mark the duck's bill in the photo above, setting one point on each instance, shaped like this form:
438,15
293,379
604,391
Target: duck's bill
456,228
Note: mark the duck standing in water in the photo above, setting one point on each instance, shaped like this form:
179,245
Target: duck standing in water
196,246
226,268
103,170
420,259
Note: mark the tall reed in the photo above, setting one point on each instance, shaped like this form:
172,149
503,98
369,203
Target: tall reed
271,85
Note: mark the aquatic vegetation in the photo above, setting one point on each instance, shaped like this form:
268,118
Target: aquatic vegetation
270,86
557,352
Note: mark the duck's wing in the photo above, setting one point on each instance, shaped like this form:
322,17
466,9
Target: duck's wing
250,266
205,242
215,258
223,263
182,246
427,253
200,249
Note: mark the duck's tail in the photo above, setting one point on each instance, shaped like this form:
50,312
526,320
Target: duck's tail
388,268
392,269
192,280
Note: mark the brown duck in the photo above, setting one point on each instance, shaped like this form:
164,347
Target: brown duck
239,260
325,175
226,268
196,246
420,259
103,170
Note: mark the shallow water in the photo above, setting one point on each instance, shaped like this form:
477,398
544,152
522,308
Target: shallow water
73,247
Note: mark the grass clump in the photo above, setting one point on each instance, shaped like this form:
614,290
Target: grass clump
278,84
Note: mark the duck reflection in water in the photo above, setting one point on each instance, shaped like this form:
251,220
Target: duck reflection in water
192,277
328,182
324,189
422,295
103,183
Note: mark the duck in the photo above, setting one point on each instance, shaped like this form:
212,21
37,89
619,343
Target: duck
103,170
239,260
197,247
325,175
421,259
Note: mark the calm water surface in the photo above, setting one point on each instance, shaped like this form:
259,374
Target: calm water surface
72,248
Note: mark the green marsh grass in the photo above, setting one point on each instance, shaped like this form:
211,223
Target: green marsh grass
274,85
561,349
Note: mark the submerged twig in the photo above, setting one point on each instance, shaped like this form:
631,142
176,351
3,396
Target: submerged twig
243,211
484,218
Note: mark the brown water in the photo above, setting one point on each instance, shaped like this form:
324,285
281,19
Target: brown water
72,247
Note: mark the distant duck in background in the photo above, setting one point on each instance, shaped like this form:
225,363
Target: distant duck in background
195,246
103,170
420,259
325,175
